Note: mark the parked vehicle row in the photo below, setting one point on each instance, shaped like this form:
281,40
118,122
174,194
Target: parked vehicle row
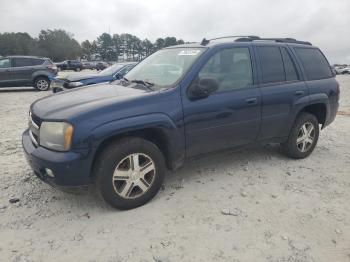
27,71
180,102
77,65
70,65
342,70
114,72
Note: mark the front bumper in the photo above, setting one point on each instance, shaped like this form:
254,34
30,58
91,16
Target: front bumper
70,169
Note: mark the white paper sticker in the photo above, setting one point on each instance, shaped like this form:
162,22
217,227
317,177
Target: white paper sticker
189,52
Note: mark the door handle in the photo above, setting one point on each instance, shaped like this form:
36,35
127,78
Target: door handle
251,101
299,93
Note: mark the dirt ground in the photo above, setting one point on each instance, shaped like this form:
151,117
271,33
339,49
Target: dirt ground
280,209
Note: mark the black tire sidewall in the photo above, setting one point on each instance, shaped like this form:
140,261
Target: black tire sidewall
110,158
290,147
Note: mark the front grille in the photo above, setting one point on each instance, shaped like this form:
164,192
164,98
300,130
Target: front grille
34,127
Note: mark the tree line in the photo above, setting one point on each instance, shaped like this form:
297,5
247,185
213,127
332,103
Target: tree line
60,45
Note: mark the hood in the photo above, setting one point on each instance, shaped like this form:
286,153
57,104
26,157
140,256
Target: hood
79,77
69,104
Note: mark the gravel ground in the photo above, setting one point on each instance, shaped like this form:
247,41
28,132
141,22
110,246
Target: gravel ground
247,205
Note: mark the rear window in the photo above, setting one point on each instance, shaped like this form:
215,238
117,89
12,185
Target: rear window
315,64
37,61
271,64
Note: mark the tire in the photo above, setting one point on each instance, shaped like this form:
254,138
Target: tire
118,181
42,83
302,138
77,69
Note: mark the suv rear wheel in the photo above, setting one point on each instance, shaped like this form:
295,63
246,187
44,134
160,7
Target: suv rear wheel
129,172
42,83
303,136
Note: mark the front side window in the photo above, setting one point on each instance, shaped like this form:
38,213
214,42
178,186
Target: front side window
125,70
315,64
165,67
110,70
5,63
271,64
231,68
19,62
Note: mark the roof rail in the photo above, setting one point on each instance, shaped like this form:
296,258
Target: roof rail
251,38
279,40
206,41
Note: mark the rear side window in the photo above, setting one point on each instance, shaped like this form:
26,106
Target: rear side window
271,64
19,62
315,64
37,61
289,66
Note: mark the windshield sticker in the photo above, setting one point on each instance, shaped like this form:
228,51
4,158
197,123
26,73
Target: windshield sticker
189,52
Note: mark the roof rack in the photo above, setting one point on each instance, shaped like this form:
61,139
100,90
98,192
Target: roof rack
206,41
257,38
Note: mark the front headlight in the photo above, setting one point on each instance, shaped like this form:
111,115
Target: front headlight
75,84
56,135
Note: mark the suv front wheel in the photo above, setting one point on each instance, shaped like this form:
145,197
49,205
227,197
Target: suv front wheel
129,172
303,136
42,84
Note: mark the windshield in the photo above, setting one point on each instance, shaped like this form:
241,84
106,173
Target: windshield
111,70
165,67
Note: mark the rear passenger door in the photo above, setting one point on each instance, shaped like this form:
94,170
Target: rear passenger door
22,69
231,115
282,88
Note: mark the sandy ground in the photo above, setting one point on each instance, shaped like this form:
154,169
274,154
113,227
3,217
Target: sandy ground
281,209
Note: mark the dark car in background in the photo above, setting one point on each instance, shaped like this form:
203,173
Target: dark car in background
27,71
88,65
101,65
111,73
70,65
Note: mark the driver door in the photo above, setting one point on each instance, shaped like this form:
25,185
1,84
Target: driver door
230,116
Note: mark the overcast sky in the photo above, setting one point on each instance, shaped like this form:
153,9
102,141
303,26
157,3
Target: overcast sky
325,23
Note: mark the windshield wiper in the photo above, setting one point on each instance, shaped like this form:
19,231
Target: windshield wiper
142,82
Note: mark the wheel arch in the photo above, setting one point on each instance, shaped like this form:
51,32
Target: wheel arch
319,110
35,77
162,132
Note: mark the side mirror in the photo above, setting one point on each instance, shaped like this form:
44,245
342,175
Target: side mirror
202,88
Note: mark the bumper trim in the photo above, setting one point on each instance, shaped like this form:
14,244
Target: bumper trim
32,138
70,168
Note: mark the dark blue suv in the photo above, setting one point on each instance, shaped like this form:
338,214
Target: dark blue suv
180,102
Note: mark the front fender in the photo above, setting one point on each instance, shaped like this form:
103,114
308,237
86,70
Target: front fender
174,135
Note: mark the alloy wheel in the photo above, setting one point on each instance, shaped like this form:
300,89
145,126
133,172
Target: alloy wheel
134,175
306,137
42,84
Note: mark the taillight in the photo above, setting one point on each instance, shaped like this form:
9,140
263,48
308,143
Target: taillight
52,67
